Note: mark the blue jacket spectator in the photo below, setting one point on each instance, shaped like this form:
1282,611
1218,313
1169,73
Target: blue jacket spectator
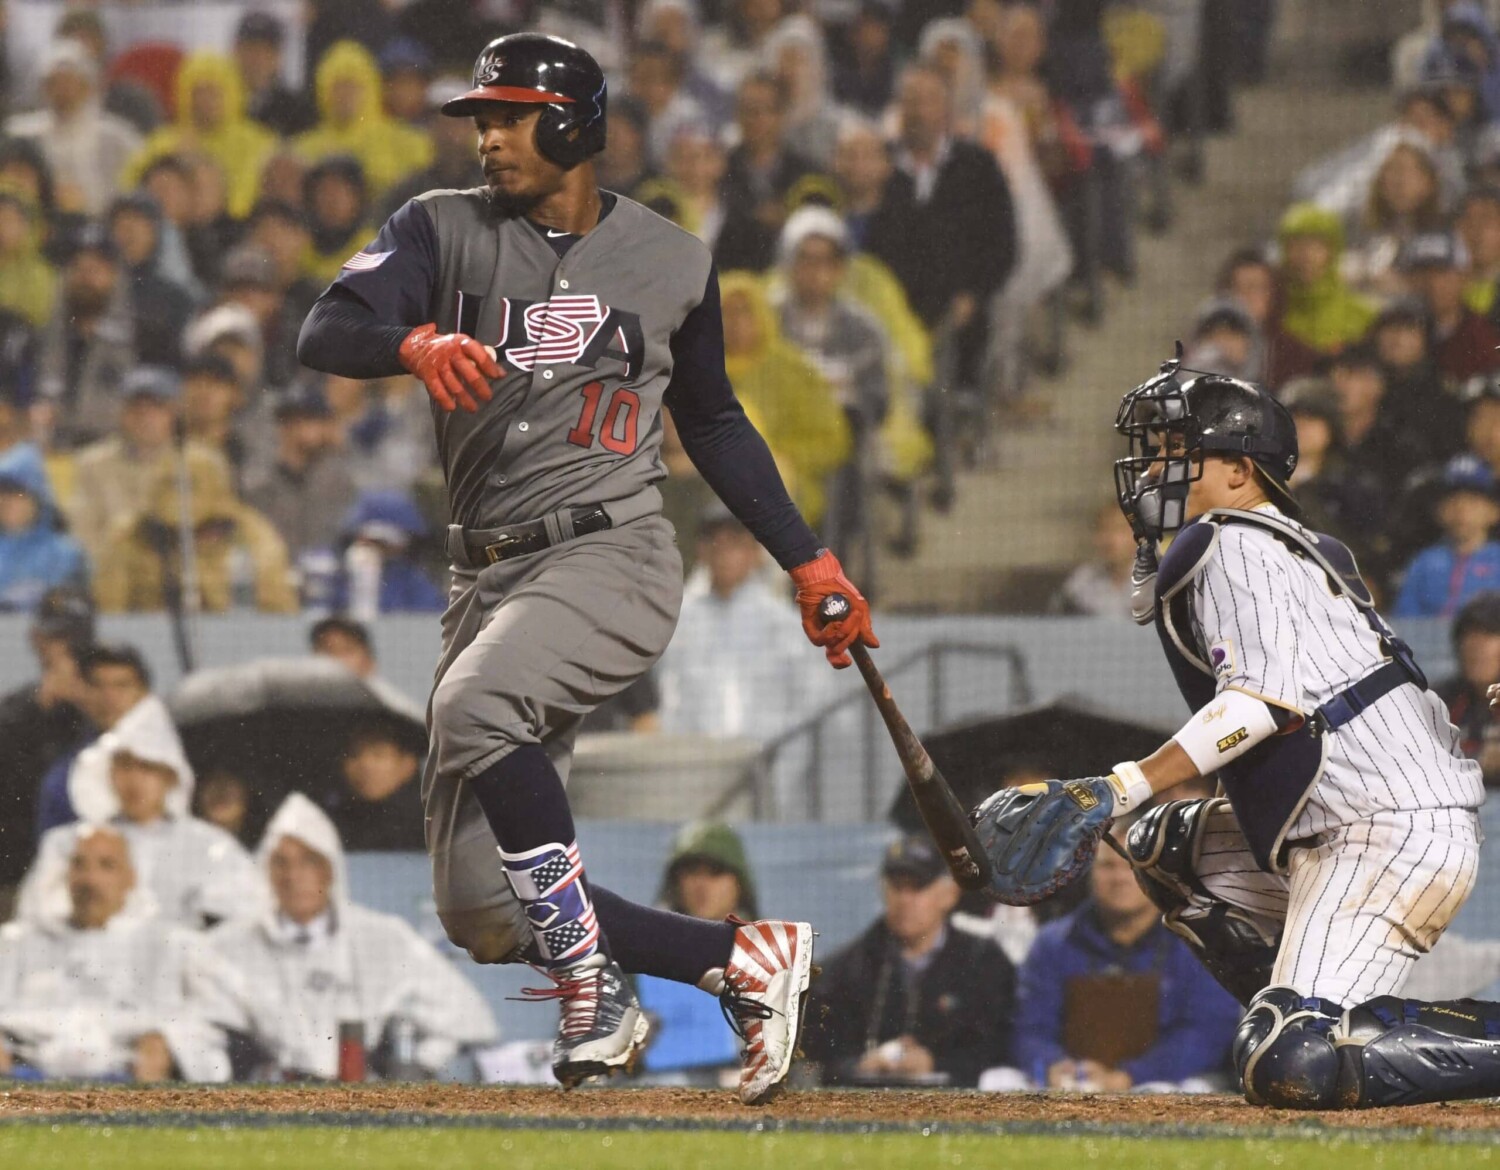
1119,932
1442,577
34,555
388,523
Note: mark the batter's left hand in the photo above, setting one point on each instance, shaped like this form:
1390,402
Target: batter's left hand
1493,694
815,581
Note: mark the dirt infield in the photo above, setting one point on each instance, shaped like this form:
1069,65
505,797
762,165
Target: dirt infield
894,1107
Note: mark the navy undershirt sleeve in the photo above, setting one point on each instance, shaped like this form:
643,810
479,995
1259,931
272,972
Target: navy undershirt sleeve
723,444
357,326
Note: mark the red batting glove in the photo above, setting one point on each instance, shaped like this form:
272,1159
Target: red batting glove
815,581
453,366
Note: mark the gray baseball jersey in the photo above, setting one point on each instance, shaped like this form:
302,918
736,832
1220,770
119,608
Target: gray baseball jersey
585,342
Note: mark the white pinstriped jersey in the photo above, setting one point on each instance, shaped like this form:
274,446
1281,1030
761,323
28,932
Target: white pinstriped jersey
1271,625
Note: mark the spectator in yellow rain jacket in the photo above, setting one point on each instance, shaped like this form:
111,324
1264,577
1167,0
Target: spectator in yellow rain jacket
27,281
239,559
352,122
211,121
793,405
1321,310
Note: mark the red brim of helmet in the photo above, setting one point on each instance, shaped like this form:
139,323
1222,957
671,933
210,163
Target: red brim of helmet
466,103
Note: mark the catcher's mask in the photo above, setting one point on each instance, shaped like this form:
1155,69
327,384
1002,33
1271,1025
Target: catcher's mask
1176,418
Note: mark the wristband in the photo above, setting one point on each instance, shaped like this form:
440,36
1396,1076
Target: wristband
1130,786
1224,730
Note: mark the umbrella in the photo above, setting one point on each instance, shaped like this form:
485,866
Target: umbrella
1064,738
282,724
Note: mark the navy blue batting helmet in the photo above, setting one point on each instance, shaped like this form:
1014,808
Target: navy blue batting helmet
553,73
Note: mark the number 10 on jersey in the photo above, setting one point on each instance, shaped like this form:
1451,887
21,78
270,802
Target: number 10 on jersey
617,433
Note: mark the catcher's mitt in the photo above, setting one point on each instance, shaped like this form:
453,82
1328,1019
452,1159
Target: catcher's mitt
1039,837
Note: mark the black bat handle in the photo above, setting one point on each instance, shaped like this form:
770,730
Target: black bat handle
833,608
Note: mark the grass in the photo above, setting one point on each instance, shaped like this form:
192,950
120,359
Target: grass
39,1147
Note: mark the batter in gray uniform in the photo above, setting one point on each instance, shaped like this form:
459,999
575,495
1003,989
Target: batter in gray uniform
551,322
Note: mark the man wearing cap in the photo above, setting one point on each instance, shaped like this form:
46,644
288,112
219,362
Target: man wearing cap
258,44
308,489
846,344
1166,1021
86,148
1435,267
89,343
913,1000
115,474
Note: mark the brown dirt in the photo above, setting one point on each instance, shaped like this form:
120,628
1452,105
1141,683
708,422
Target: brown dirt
854,1106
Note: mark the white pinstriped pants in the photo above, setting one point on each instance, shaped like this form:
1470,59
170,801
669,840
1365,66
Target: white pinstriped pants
1360,903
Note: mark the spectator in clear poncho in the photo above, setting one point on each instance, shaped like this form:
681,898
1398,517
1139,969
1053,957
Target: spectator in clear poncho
1044,257
102,990
656,81
676,24
136,780
736,44
86,147
211,121
314,959
1341,182
795,54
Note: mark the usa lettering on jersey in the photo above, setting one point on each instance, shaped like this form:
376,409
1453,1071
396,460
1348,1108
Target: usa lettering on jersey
574,330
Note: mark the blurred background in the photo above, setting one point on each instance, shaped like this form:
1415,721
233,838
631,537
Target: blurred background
951,234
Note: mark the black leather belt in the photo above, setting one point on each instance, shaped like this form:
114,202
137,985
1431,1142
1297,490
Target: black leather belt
520,540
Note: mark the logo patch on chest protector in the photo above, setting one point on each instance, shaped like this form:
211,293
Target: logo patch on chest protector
1233,738
1221,658
576,330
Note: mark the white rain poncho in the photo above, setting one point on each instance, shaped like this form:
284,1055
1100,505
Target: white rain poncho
355,964
187,871
73,1003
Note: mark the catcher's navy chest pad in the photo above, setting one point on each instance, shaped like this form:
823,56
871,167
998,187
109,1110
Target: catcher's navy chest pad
1270,783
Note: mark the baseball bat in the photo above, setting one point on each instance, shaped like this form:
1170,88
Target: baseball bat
946,820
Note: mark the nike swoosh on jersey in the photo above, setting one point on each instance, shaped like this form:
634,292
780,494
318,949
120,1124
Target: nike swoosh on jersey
552,235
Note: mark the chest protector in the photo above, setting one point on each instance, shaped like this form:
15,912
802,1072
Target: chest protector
1269,785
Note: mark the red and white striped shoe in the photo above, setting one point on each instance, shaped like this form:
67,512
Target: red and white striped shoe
763,991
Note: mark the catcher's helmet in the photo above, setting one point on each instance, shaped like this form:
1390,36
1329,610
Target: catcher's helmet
549,71
1208,413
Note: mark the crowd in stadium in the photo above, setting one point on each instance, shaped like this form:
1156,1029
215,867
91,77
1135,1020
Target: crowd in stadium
909,201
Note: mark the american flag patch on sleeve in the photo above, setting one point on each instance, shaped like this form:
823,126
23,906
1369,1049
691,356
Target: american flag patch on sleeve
364,261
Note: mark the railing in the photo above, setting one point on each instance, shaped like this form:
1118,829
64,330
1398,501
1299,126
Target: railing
873,738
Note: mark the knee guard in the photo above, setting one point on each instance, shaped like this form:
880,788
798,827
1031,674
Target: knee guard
1284,1054
1395,1051
1237,948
